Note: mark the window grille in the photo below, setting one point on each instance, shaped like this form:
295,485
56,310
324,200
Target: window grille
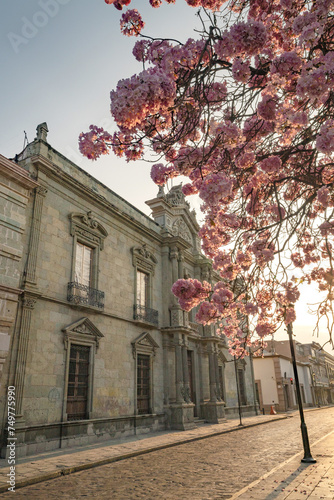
143,384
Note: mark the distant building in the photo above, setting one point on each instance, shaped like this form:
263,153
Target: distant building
275,382
100,346
322,373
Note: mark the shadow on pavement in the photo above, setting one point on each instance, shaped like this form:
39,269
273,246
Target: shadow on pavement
281,487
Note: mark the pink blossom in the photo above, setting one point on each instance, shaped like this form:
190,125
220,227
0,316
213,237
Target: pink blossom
264,328
251,308
245,160
244,259
221,296
131,23
241,70
271,165
160,173
215,187
286,64
248,38
189,189
324,197
207,313
93,144
290,315
135,98
267,108
327,228
312,84
325,139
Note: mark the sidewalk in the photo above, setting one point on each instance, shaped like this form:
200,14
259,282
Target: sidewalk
35,469
294,480
289,480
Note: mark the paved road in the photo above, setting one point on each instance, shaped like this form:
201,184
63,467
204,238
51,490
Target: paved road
213,468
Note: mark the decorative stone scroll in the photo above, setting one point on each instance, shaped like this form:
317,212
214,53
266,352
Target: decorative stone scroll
87,228
143,259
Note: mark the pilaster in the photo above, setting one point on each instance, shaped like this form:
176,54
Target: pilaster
28,304
30,270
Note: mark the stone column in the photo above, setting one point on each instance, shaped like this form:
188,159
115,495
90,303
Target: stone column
218,391
22,351
178,370
176,311
30,270
200,372
166,285
165,344
212,375
186,384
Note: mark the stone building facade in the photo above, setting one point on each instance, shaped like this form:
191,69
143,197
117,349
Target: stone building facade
100,346
15,188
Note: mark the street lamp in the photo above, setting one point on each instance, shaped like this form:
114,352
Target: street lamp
307,452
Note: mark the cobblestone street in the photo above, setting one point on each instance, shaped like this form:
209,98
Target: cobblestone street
213,468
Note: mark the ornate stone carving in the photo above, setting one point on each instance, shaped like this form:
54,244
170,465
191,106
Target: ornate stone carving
180,228
144,344
143,258
41,190
175,196
82,330
29,302
87,227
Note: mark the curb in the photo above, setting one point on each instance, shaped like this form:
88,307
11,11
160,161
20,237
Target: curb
77,468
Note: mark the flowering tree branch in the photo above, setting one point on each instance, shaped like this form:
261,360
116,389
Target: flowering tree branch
246,113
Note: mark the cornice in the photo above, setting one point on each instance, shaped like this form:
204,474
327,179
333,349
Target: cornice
63,178
16,173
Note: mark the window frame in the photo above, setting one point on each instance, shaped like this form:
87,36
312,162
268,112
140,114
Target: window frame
144,345
87,231
88,395
83,333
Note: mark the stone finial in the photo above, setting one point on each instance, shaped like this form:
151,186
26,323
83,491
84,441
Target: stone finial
161,192
42,131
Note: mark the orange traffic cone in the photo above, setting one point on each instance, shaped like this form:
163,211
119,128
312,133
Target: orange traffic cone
272,410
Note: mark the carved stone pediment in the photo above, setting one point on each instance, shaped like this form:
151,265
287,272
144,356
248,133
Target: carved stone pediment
143,258
88,228
180,229
144,344
82,330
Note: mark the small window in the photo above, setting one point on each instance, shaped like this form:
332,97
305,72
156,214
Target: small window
77,389
143,384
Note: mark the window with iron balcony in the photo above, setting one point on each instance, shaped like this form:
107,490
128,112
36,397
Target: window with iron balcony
88,237
144,265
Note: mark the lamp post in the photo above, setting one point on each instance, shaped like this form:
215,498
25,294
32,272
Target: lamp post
307,452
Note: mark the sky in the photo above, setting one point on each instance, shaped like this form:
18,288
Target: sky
59,61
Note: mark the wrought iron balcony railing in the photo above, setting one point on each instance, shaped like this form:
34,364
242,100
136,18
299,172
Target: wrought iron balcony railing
84,295
145,314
